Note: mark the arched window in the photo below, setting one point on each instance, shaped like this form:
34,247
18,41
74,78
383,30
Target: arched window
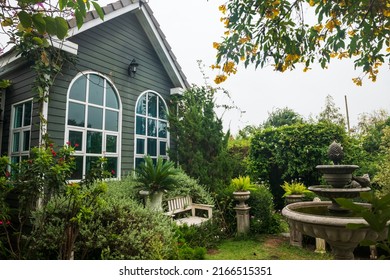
93,123
151,127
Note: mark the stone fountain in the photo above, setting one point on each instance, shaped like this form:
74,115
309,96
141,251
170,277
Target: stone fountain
327,219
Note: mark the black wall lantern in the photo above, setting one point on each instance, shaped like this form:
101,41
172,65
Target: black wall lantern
132,68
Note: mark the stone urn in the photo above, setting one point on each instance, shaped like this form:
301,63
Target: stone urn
292,198
153,200
241,197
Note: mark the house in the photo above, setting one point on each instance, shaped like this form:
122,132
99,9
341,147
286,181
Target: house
103,105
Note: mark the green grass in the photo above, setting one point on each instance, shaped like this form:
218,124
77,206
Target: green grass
264,247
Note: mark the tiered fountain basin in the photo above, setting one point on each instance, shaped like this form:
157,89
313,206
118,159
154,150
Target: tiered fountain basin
332,193
337,175
314,219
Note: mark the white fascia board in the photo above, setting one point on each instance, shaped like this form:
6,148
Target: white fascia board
177,91
14,60
160,41
65,45
92,23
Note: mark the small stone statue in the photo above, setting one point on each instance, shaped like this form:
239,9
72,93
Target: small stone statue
361,181
335,152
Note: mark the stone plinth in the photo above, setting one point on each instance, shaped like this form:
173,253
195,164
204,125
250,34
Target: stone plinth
243,223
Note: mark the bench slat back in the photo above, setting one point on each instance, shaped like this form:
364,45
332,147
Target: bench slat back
179,203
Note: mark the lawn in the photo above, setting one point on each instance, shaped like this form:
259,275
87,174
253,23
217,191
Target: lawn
264,247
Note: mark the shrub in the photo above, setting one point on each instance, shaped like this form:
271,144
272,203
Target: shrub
263,216
189,186
124,229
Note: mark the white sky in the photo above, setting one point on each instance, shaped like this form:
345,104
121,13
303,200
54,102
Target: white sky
191,27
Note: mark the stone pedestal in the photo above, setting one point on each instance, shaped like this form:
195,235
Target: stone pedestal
320,246
243,223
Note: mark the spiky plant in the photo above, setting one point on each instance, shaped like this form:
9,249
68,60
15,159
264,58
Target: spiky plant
242,184
156,177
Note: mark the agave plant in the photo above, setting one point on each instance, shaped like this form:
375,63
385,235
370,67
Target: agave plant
294,188
242,184
156,177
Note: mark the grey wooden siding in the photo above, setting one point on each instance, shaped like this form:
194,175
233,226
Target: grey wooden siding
20,90
108,49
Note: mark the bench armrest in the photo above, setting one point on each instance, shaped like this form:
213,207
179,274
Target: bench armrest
207,207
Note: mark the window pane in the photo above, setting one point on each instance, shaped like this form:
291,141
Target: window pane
78,171
16,141
111,98
15,160
94,142
138,161
111,144
26,140
27,113
91,162
95,117
76,139
111,120
163,148
152,147
141,125
162,111
141,105
162,129
152,105
79,89
18,116
140,146
76,114
152,127
112,166
96,87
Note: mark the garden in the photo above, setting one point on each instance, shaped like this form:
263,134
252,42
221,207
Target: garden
44,216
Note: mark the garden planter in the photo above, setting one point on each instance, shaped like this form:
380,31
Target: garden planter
292,198
241,197
156,201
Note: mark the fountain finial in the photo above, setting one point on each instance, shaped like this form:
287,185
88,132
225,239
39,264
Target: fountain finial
335,152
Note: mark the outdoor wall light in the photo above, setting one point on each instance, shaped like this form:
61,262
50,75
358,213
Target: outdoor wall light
132,68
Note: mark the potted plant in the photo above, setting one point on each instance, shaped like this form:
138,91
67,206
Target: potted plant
242,187
155,179
294,191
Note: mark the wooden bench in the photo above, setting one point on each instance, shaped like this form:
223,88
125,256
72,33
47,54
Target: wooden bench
182,204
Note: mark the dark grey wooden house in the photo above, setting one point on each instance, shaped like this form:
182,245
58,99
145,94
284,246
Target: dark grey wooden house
101,106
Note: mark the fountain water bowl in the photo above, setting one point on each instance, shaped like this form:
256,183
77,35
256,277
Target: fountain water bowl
331,227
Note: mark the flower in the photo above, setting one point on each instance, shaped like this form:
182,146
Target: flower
357,81
220,78
222,8
216,45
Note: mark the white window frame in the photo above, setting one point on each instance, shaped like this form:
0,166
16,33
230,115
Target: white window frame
84,130
21,153
146,137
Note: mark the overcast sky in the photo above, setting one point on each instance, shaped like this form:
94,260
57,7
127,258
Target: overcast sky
191,27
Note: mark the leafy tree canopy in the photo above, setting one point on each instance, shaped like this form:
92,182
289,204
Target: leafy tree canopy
284,116
40,19
283,33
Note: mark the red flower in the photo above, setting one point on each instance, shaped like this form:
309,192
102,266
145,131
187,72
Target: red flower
68,143
113,172
7,174
76,145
